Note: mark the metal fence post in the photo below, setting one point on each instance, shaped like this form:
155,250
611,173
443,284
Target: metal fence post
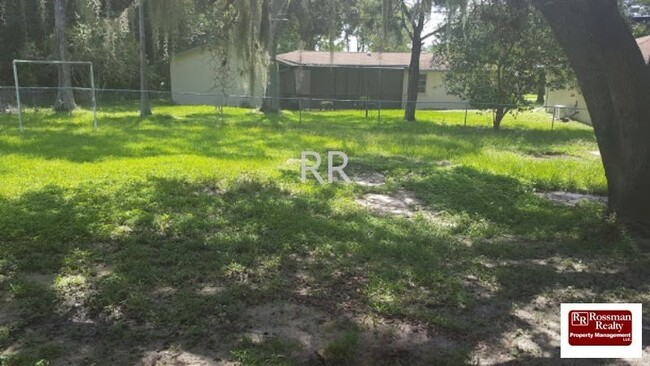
92,86
221,108
300,109
366,106
553,118
20,112
379,112
553,121
466,116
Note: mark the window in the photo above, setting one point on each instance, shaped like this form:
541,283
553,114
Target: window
422,83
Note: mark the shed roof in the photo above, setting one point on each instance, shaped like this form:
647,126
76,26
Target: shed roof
358,59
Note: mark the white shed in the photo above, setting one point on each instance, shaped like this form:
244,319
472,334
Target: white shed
200,76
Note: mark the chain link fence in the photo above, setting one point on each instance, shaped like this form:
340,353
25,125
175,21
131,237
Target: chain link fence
114,101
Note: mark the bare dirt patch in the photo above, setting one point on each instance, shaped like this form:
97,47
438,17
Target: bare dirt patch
179,358
301,323
362,175
404,204
368,179
379,339
533,333
400,341
401,203
571,199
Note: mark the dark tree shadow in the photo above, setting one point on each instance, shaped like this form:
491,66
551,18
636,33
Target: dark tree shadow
170,262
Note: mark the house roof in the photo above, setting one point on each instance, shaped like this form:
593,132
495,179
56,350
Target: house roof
644,45
399,60
376,59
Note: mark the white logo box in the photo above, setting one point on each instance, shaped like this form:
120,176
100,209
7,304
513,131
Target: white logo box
634,350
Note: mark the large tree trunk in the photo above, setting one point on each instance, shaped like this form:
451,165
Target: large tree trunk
615,82
145,107
413,78
64,98
414,71
271,102
499,113
541,88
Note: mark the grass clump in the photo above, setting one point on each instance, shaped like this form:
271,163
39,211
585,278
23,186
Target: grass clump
342,350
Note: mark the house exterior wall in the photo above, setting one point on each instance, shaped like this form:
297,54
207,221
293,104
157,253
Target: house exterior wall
573,100
436,95
359,83
194,72
348,87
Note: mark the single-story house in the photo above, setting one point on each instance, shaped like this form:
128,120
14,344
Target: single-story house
572,99
352,77
200,75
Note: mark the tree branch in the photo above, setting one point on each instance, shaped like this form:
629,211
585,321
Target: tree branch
429,35
406,14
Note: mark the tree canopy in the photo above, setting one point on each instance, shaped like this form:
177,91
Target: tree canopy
499,54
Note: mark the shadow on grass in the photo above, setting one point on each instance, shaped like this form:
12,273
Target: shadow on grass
248,135
502,203
108,274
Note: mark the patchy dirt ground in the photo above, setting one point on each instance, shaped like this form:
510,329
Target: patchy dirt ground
531,337
401,203
571,199
507,325
180,358
374,291
368,179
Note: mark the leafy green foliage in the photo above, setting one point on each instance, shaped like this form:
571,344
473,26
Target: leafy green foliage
107,41
332,25
376,26
499,56
312,23
639,29
25,33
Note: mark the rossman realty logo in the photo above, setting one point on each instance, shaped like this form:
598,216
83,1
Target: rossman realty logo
601,331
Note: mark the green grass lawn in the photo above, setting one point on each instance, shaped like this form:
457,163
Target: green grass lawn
177,235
